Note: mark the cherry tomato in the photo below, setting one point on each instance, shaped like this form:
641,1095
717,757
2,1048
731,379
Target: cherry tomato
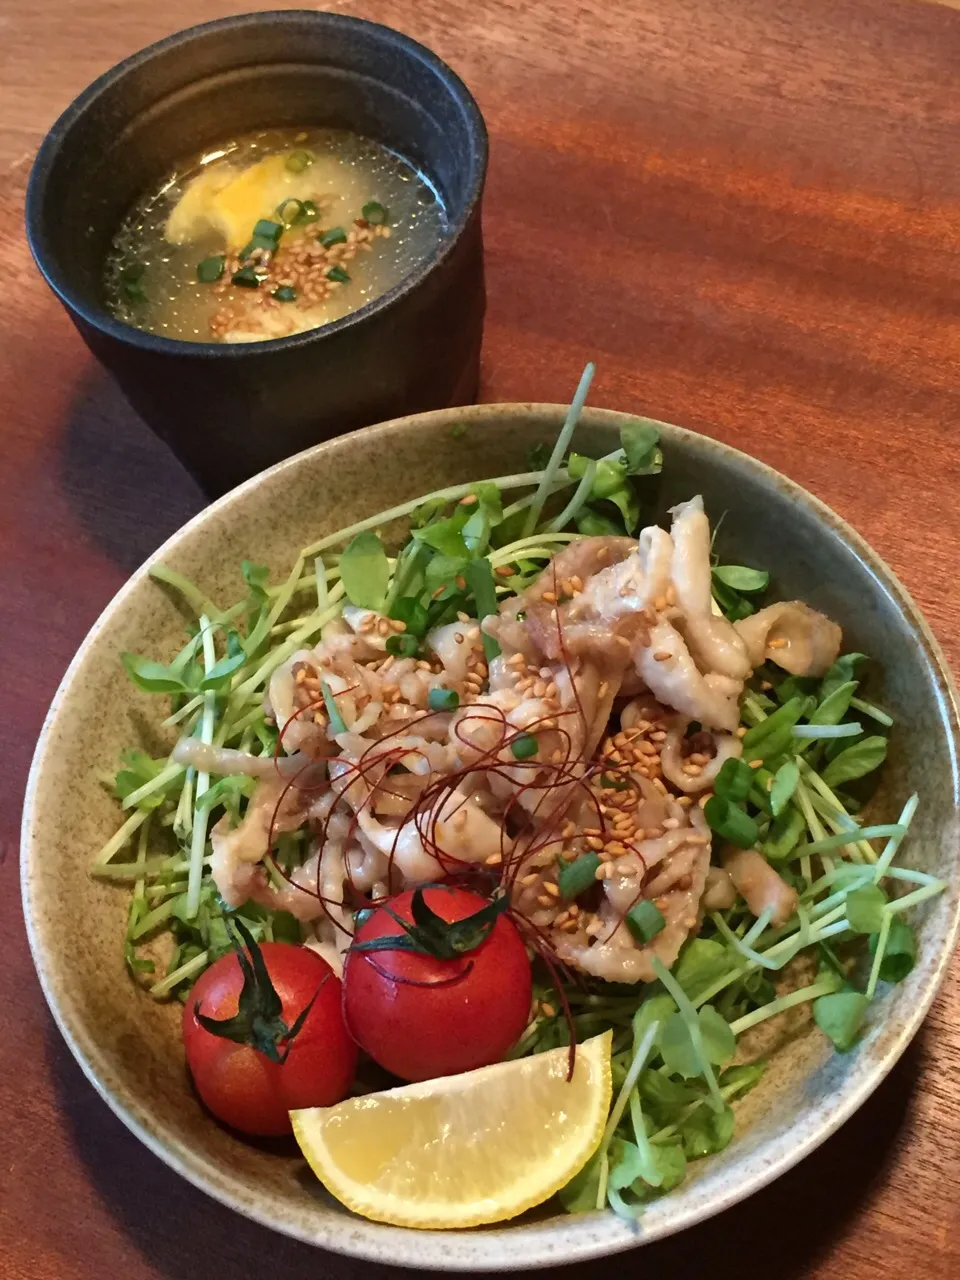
420,1016
239,1083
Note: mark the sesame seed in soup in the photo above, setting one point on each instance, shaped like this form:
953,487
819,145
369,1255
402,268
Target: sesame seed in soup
269,235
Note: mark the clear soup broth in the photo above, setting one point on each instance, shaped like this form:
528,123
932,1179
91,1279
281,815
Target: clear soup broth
269,235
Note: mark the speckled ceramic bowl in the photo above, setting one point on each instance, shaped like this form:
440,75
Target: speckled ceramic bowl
129,1047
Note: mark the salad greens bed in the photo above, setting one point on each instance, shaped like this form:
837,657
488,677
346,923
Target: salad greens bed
681,1045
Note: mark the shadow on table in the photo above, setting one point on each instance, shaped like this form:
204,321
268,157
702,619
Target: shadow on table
786,1228
123,484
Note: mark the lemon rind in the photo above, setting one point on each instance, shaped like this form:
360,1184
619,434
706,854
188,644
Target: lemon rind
432,1215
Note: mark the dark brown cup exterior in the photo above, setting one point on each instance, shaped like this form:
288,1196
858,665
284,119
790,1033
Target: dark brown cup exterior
229,410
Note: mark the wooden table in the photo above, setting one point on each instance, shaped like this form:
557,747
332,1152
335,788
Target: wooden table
748,212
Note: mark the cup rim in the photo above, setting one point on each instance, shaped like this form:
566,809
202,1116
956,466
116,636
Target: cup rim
100,320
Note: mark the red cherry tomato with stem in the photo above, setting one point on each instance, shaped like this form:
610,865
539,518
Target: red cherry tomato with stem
422,1013
284,1052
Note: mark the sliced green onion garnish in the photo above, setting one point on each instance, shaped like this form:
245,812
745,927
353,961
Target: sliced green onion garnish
285,293
374,213
336,235
731,822
338,274
297,161
574,878
403,645
258,242
290,211
246,277
524,746
443,699
645,921
211,269
266,229
130,278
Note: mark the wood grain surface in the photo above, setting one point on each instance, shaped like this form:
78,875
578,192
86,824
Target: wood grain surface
748,212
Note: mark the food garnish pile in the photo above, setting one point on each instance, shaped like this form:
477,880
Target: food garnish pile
541,809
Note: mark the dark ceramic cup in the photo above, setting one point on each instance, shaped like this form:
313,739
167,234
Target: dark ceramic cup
229,410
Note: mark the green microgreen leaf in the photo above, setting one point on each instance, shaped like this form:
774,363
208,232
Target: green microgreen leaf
706,1131
701,961
610,484
842,671
446,536
784,785
681,1055
900,953
154,677
409,611
792,686
855,762
221,671
443,573
865,908
835,705
840,1016
733,605
595,524
774,735
365,571
228,792
740,578
719,1042
139,768
580,1193
639,438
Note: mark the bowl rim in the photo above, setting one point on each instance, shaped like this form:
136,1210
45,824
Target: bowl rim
57,137
501,1247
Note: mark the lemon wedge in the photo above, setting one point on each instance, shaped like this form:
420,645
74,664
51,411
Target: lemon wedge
462,1150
